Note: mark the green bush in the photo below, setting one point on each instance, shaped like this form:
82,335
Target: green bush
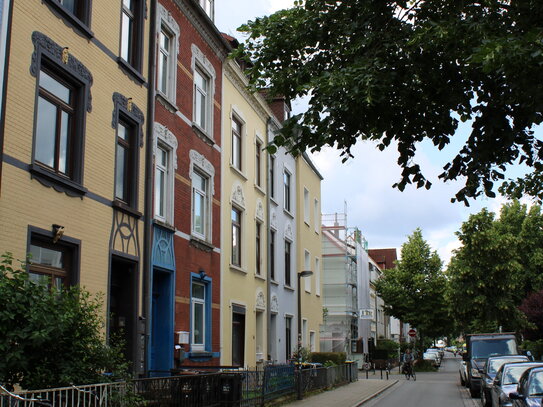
388,346
535,347
51,339
337,358
425,366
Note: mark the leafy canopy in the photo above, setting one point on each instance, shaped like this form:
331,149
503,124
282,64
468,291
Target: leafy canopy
407,71
498,265
51,339
414,291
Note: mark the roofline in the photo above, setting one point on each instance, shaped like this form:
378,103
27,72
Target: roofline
313,167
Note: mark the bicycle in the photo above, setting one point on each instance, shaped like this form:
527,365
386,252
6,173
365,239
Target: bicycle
409,371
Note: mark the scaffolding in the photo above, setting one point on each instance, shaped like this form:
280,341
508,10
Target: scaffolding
339,332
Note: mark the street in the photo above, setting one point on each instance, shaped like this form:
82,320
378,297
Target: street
430,390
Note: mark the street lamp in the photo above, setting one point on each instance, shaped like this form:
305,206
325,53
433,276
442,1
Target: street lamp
304,273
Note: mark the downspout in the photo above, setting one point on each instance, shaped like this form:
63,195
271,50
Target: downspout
268,257
148,217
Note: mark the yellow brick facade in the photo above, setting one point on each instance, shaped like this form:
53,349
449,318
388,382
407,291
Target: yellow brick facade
309,256
24,201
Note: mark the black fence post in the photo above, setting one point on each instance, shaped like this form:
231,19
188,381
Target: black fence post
299,383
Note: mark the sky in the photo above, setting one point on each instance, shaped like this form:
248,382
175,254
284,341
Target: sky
363,185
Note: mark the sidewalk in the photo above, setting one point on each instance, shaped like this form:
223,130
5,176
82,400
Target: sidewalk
350,395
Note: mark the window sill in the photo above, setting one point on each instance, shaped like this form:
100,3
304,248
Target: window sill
274,201
70,18
307,223
238,172
60,184
288,213
238,269
123,207
200,355
201,244
131,71
276,283
260,189
164,225
260,277
202,134
166,102
288,287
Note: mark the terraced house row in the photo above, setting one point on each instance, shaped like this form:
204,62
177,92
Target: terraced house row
133,163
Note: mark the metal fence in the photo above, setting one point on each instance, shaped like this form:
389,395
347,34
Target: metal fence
243,388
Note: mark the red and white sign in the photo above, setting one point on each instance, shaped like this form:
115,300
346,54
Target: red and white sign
412,333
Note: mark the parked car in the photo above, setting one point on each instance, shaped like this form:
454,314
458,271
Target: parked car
463,371
432,357
530,389
489,373
506,382
479,348
436,351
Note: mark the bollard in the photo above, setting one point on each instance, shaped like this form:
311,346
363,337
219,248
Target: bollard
366,374
387,374
381,374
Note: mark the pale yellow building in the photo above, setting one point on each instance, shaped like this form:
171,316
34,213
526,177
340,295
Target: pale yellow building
244,299
309,256
73,151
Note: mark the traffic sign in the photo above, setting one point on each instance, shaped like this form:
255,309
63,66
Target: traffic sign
412,333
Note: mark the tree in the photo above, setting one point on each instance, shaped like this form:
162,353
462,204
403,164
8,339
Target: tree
409,71
51,339
414,291
498,265
532,307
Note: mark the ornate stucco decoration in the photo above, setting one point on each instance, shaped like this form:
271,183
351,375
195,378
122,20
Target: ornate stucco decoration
259,210
288,231
274,305
124,234
121,102
165,15
199,57
238,197
167,137
273,219
260,300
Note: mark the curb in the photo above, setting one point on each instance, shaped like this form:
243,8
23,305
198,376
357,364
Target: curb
361,402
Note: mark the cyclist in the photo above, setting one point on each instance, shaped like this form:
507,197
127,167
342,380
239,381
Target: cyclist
408,362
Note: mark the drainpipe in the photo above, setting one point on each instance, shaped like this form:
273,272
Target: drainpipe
268,257
148,213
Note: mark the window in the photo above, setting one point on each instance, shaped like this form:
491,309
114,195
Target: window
75,12
306,206
200,204
78,8
286,191
165,146
307,266
288,337
272,176
317,215
236,237
312,341
132,32
317,276
287,262
258,248
55,124
272,255
165,42
258,163
53,264
125,165
161,177
198,314
207,5
202,106
236,143
304,332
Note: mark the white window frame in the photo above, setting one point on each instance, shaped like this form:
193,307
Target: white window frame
209,7
304,333
199,164
241,232
198,347
166,140
307,211
273,176
317,216
234,117
287,194
166,22
307,266
202,64
317,274
312,337
259,161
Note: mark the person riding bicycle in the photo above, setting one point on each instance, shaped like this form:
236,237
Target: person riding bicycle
408,360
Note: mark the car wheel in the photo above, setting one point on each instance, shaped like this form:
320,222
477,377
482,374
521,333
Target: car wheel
475,394
462,381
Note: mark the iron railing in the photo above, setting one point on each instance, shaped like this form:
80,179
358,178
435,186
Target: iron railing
230,388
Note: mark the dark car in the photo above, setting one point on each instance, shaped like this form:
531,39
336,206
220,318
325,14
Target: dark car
489,373
479,348
530,389
506,382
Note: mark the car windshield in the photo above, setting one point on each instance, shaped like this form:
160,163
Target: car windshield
535,389
513,373
495,364
483,349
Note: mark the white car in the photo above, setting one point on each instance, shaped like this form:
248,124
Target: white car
436,351
432,357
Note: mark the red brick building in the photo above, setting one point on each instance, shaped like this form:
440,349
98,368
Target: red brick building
187,161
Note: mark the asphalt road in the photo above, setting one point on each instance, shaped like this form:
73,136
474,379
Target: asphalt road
439,389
